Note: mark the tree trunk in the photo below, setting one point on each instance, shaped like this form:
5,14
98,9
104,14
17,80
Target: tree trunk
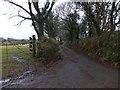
77,37
71,37
111,19
91,17
41,31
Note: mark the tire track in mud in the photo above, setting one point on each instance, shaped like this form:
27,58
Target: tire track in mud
74,71
15,80
77,58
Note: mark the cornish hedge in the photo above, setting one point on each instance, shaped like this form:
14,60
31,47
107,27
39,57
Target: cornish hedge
106,47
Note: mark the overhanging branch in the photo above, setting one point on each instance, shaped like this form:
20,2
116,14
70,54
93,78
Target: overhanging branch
27,18
24,17
18,24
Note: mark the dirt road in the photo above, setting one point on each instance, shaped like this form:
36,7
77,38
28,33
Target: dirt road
74,71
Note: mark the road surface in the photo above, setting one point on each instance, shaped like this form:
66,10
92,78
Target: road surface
74,71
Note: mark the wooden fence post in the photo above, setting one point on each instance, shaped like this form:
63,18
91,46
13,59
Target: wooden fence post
33,45
30,44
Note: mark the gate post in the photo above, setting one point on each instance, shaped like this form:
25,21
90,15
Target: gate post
30,45
33,45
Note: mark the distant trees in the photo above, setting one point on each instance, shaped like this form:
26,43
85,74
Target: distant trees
12,41
52,26
101,16
71,25
64,9
1,41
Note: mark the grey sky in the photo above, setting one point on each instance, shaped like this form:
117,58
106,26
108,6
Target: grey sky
7,26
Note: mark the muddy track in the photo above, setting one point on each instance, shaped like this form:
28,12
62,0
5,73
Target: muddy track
24,62
13,80
74,71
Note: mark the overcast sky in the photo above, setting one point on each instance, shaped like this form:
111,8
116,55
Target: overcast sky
7,26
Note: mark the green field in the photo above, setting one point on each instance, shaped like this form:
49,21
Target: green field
11,67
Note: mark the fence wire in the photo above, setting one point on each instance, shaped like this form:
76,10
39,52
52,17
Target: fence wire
6,51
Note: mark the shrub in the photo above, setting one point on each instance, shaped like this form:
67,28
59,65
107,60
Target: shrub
48,50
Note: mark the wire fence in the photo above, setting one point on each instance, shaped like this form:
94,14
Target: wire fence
7,50
12,48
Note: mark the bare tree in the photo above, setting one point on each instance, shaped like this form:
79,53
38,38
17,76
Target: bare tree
38,18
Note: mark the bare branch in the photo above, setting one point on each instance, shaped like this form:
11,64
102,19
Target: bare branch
24,17
36,6
45,8
18,24
47,5
13,16
18,6
20,16
49,9
30,8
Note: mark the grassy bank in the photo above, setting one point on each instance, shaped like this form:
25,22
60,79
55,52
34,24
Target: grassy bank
102,48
